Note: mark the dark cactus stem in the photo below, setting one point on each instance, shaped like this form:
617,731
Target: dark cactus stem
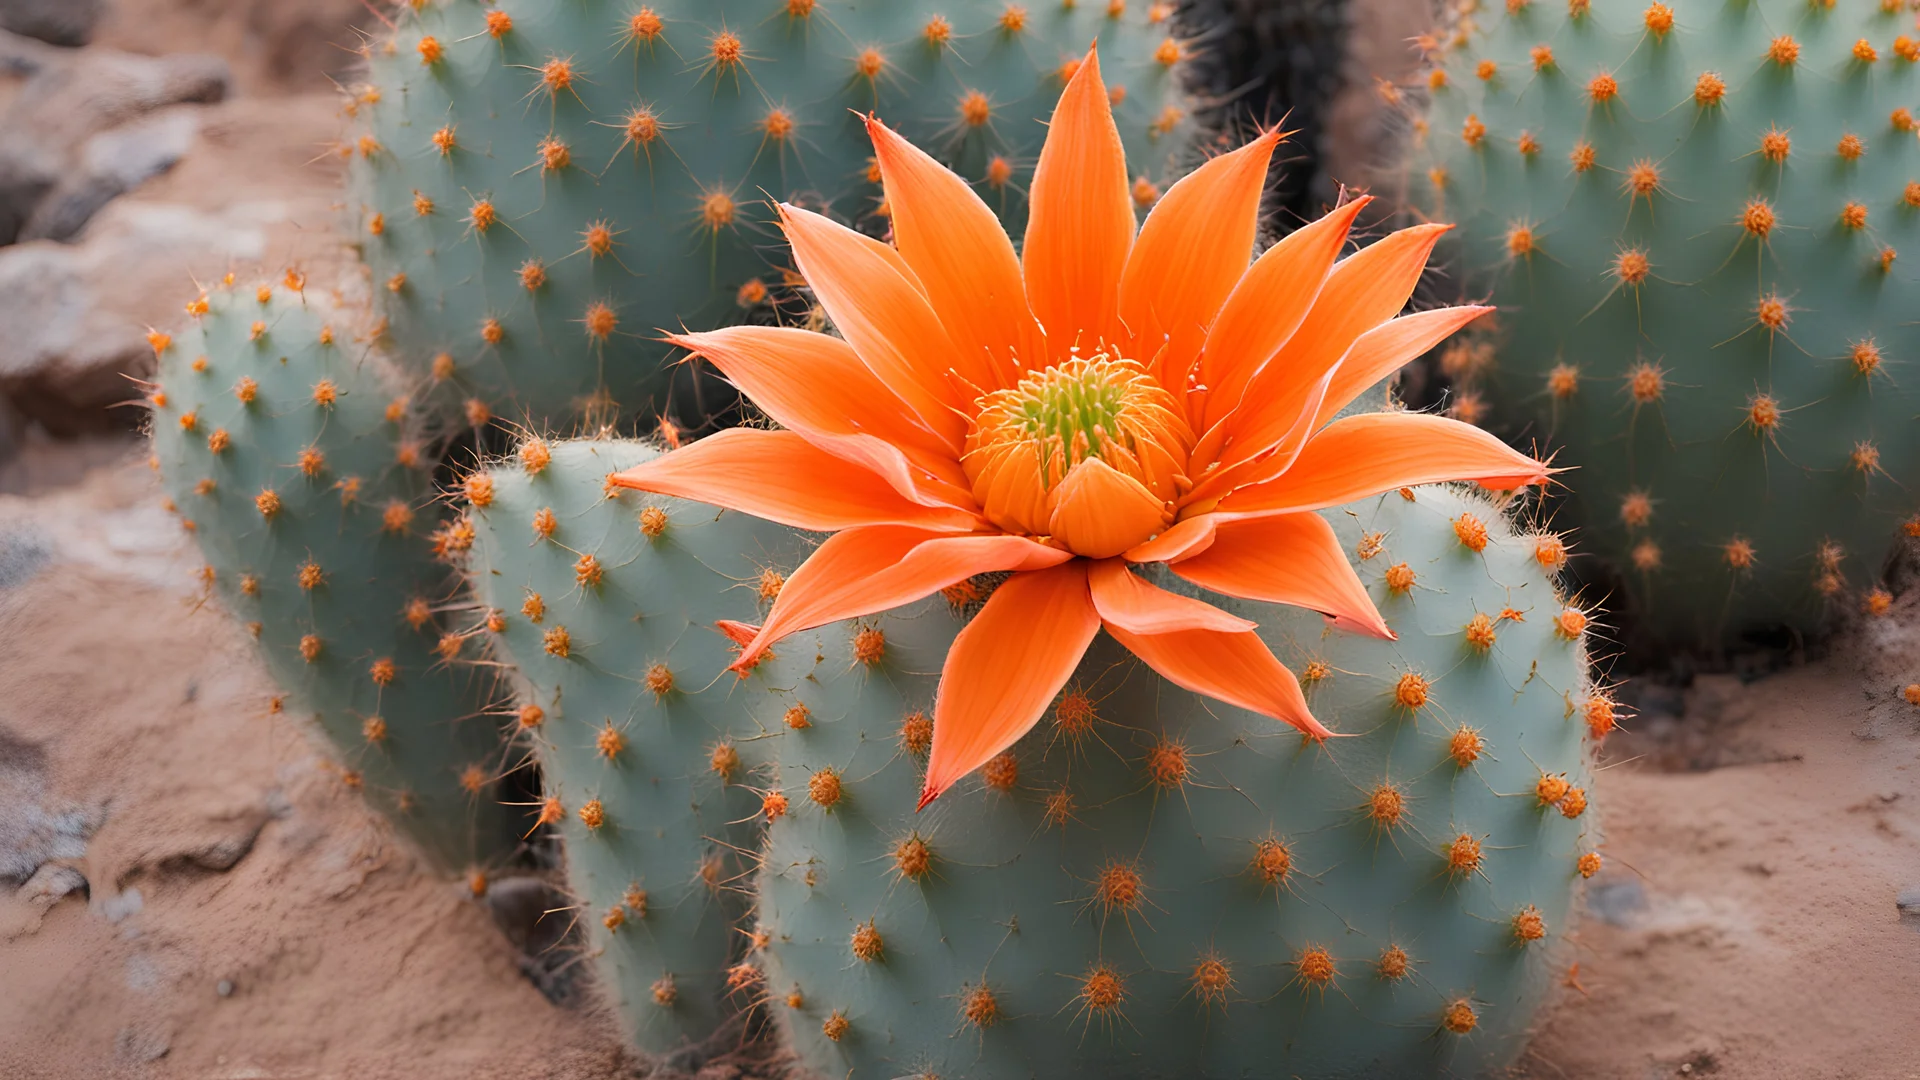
1257,63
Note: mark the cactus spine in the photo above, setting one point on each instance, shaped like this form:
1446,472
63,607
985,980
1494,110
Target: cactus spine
1692,217
291,455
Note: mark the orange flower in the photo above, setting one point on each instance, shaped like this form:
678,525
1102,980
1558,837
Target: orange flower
1101,400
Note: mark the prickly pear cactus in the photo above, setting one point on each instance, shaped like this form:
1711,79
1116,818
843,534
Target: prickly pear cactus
606,603
541,186
1150,884
1699,221
290,455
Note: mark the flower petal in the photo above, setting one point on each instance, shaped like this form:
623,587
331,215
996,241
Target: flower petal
868,292
1127,601
1184,540
1005,667
1267,306
1265,454
1373,452
861,571
962,257
780,476
1387,348
1286,559
1079,218
1191,251
1238,669
1364,290
816,385
1099,511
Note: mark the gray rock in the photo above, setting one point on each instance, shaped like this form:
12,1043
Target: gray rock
58,22
31,834
23,551
70,100
112,163
141,1043
22,56
1908,901
1619,902
50,883
68,345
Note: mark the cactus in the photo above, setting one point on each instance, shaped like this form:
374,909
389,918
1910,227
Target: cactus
1155,884
605,601
291,459
540,187
1689,215
1263,62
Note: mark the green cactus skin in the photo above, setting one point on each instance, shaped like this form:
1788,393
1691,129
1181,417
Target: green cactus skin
624,654
1840,463
686,212
1149,875
265,404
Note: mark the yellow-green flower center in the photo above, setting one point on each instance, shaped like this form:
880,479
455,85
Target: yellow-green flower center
1027,438
1074,406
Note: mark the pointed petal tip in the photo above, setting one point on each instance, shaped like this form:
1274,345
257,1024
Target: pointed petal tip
1373,628
927,795
1313,729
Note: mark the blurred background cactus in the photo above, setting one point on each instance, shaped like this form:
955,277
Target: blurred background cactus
540,188
1693,219
1258,63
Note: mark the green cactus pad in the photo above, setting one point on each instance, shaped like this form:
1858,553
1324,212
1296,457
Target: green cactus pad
1701,224
606,604
282,445
1154,884
602,169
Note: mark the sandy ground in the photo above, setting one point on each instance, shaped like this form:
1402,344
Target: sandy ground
1748,924
244,917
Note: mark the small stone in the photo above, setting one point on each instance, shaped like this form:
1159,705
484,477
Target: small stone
1617,902
49,883
1908,901
56,22
141,1043
224,988
118,907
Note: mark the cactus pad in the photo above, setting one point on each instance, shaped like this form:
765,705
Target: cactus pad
606,603
287,449
1155,884
1699,222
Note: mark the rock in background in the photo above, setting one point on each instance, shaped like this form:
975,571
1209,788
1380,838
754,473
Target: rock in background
126,177
57,22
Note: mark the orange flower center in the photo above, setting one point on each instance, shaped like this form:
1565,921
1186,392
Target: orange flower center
1034,442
